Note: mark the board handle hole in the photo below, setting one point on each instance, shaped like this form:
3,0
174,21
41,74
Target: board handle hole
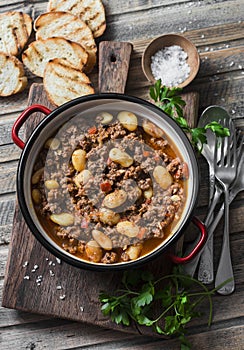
113,58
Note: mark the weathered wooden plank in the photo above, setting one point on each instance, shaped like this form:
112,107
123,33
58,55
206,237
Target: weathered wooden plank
3,256
8,177
71,335
202,15
61,334
5,233
10,317
9,153
5,129
117,8
221,61
219,36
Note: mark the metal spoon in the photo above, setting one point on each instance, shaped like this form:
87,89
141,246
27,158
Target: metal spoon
206,274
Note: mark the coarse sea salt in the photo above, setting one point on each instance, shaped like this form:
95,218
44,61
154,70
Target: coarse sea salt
169,64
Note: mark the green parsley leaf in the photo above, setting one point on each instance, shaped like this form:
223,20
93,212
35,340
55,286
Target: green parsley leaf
218,129
172,104
144,320
143,299
176,306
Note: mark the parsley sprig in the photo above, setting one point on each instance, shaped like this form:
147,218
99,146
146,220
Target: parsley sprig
176,303
169,100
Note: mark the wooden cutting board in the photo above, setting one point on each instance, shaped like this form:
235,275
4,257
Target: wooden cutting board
37,282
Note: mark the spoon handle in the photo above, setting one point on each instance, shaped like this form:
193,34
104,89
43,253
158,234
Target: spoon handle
206,268
225,270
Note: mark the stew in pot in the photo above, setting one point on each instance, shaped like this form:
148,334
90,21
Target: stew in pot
109,188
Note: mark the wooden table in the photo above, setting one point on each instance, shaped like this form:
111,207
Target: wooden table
217,29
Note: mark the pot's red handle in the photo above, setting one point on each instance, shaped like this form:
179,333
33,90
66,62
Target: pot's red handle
197,248
22,118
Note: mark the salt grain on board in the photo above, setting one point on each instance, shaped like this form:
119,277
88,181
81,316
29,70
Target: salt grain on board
169,64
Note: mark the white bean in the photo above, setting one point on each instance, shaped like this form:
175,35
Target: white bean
152,130
175,198
36,177
36,196
52,143
82,178
128,228
115,199
134,251
51,184
148,193
79,159
128,120
103,240
162,177
105,117
120,157
94,251
108,216
63,219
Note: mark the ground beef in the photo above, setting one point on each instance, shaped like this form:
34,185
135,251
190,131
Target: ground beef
110,258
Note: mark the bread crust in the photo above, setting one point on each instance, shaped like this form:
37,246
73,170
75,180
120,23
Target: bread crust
12,75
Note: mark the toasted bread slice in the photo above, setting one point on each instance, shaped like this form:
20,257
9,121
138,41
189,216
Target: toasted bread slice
70,27
39,52
63,82
15,30
12,75
90,11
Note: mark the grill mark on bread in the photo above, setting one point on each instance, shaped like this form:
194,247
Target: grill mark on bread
64,82
15,29
74,83
15,37
22,21
41,51
12,75
73,7
63,24
70,27
91,12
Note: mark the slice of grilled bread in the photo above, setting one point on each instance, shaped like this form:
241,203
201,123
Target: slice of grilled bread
90,11
68,26
63,82
39,52
12,75
15,30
